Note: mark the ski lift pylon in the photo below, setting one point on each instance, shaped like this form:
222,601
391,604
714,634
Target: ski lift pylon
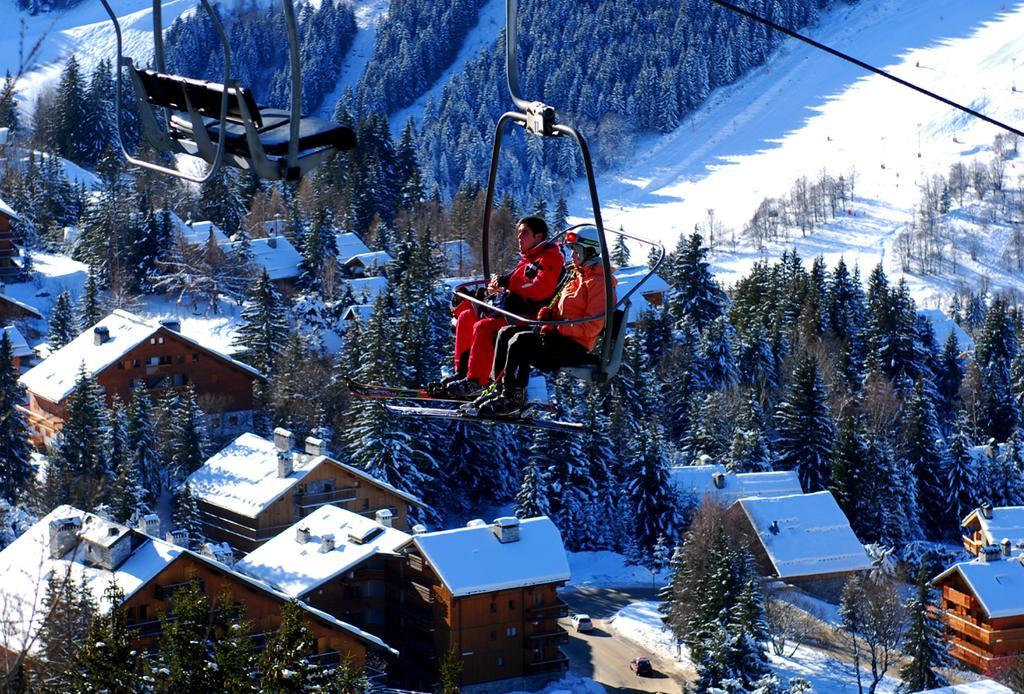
221,123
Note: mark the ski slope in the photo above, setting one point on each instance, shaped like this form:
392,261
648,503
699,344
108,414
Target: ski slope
809,111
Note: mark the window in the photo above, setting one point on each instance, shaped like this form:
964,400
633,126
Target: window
179,379
494,636
166,359
366,504
131,613
136,363
152,340
160,340
153,361
510,632
501,661
511,605
494,608
195,357
181,358
142,611
121,364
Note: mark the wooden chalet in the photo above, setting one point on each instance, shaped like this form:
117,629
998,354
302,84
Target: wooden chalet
982,606
488,591
21,353
989,525
800,538
96,552
253,489
10,240
125,350
13,310
337,561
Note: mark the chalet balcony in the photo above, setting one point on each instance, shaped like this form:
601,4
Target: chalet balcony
556,664
9,252
971,545
555,609
547,638
314,501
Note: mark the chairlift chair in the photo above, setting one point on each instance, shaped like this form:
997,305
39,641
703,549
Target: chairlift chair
540,119
221,122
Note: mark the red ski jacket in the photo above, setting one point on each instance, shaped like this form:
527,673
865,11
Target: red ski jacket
532,283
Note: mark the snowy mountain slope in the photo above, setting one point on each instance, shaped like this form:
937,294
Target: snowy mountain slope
368,14
808,111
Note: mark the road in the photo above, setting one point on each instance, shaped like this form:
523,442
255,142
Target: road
604,655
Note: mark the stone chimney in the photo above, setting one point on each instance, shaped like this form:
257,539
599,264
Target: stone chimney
149,524
178,536
476,523
272,242
419,529
285,463
315,446
284,440
773,527
100,334
63,535
718,479
986,511
218,551
302,535
171,324
1004,547
506,529
326,543
385,517
988,554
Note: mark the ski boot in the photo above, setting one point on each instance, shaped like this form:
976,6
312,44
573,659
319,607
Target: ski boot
510,402
463,389
439,389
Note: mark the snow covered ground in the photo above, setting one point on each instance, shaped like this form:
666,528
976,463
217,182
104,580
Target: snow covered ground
641,622
609,570
570,684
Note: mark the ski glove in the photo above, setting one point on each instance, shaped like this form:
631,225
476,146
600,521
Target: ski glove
545,313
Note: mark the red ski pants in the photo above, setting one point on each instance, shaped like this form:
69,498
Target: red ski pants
477,336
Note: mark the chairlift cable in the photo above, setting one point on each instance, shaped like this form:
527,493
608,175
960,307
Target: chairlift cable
867,66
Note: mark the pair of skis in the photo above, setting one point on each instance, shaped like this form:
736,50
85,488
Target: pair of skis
452,412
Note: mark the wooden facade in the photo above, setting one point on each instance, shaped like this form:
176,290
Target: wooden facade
164,361
262,608
10,252
498,635
364,596
11,310
327,483
981,643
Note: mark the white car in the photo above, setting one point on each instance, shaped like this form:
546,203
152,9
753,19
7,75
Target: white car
581,622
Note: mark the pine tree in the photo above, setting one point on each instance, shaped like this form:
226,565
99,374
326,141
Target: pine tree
125,494
805,427
264,326
68,608
923,643
694,293
285,661
187,517
532,499
233,652
921,447
78,448
189,436
89,310
648,493
141,444
15,452
716,355
186,656
63,326
961,490
108,660
750,450
620,252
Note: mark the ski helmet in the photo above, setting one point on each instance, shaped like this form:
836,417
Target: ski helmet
584,238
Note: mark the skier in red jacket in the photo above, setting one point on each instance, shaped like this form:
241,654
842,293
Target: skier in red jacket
527,288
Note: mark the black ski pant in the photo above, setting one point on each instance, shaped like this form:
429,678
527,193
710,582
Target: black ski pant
518,348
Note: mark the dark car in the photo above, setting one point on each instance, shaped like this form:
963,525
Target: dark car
641,666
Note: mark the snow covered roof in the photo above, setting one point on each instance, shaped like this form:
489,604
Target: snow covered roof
371,259
243,476
1007,522
472,560
198,233
998,584
979,687
349,244
364,312
276,255
26,564
369,287
19,345
805,535
20,304
54,378
700,480
628,277
296,567
7,210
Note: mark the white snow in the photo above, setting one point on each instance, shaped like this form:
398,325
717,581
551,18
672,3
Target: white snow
373,259
368,14
274,254
366,289
698,481
55,377
19,346
571,683
297,568
998,585
641,623
805,535
627,277
979,687
609,569
471,560
349,244
6,209
198,233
